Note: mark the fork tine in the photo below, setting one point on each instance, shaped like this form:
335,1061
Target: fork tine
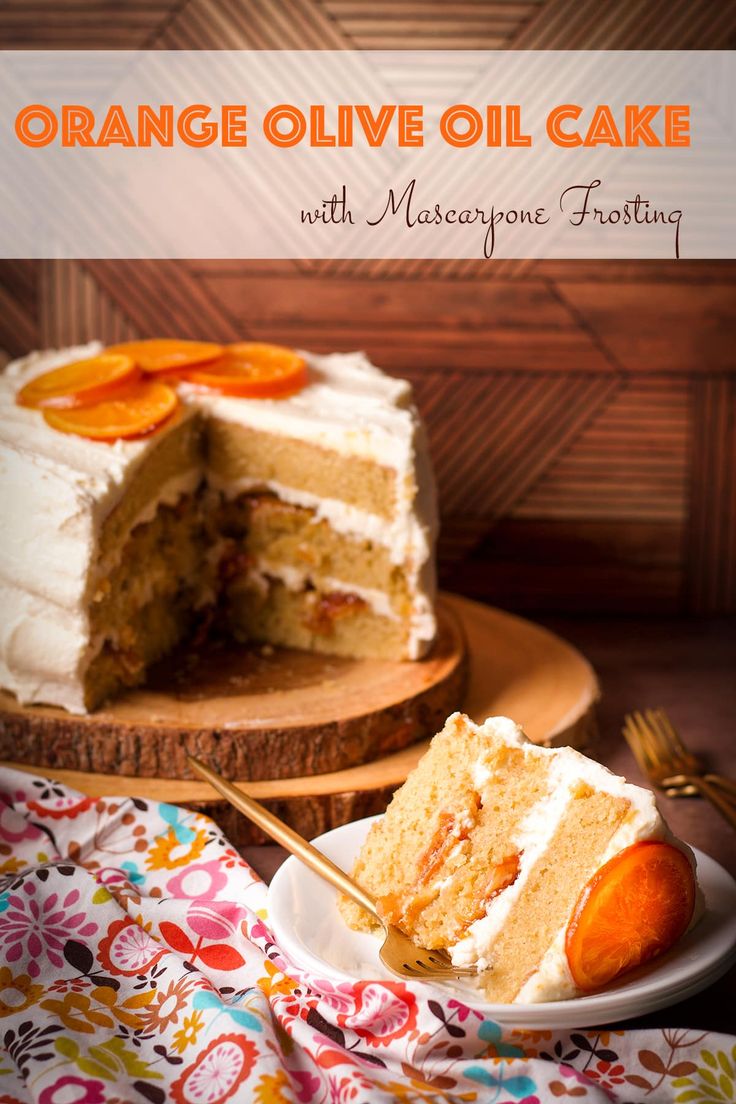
648,743
633,739
651,740
668,753
671,732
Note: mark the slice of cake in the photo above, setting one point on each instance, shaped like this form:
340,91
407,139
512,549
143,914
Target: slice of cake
149,486
536,864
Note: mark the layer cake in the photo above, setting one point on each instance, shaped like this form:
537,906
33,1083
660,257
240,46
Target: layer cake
306,520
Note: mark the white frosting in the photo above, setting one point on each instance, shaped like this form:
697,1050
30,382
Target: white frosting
567,768
61,484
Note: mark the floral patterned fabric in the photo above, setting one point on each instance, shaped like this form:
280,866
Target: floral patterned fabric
136,964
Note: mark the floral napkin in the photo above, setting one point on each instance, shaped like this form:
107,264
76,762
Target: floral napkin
136,964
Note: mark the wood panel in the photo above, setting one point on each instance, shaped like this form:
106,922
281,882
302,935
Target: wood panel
82,24
712,550
434,323
664,326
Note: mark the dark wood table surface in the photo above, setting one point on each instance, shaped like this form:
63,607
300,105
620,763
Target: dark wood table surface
689,669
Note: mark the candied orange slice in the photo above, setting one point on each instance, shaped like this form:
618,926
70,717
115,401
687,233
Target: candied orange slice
133,413
634,908
79,384
164,354
253,370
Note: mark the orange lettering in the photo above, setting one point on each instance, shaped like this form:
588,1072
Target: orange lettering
318,135
450,119
493,125
554,129
677,125
602,130
345,125
36,113
159,126
207,133
638,127
289,114
514,137
76,125
375,128
411,125
115,129
234,125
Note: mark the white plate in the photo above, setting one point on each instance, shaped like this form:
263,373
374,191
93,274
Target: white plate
304,917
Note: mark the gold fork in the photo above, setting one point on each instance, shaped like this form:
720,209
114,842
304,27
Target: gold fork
397,953
663,757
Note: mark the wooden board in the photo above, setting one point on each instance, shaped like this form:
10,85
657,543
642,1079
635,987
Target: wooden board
251,712
515,668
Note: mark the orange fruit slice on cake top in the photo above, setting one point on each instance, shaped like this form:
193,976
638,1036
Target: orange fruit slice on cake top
164,354
635,907
134,413
252,370
81,383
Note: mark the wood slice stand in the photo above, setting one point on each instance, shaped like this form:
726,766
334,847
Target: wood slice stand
320,740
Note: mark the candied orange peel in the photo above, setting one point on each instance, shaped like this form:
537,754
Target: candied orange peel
135,413
635,907
119,394
80,383
166,354
254,370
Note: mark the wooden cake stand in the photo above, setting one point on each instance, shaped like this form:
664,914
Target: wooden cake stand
320,740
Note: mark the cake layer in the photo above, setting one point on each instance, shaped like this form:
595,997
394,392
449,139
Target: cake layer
173,467
240,455
264,608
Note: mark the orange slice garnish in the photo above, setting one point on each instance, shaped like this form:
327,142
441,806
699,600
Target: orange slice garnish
634,908
134,413
79,384
163,354
253,370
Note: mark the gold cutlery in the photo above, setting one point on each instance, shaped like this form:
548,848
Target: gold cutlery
398,953
661,754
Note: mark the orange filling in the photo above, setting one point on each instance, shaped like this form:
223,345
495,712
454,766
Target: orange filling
634,908
81,383
330,608
142,408
404,908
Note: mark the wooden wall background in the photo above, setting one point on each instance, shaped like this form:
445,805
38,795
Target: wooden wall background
582,416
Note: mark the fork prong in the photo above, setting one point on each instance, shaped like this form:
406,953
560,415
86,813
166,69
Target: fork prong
422,967
670,756
646,744
633,739
656,749
672,733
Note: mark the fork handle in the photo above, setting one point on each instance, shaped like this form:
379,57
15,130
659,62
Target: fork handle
716,797
723,783
285,836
